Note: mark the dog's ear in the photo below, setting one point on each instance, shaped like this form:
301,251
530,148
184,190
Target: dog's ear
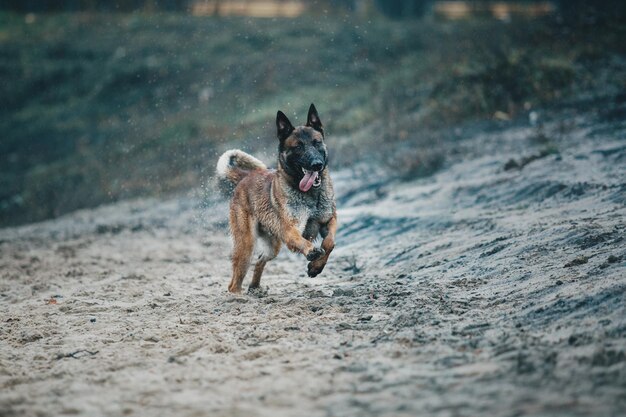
313,119
283,126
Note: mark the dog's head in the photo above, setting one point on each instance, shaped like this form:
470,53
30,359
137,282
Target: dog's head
302,152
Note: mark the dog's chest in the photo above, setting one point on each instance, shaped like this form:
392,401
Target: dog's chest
302,208
301,215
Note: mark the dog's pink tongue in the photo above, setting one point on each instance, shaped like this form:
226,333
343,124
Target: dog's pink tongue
307,181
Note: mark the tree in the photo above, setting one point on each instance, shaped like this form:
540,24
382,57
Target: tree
581,10
402,9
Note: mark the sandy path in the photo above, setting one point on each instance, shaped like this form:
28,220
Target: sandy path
445,296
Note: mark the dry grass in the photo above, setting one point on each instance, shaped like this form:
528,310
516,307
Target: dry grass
98,108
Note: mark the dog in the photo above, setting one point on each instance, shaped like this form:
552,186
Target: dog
290,205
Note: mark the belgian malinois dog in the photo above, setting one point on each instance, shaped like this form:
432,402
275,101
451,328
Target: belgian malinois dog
291,204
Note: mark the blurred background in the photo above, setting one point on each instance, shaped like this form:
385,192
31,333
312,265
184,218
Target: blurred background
109,100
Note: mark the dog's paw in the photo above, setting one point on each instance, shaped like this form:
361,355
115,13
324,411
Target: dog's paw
315,253
314,269
258,292
234,289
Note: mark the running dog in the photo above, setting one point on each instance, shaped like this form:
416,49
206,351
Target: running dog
291,204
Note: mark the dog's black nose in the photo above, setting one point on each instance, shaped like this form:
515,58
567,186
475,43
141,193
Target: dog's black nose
317,165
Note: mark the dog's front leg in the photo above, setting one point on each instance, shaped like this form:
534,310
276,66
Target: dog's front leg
296,243
328,244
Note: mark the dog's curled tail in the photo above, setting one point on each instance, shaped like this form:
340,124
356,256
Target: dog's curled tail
233,166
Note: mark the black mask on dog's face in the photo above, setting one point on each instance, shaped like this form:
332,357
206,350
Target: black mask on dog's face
302,152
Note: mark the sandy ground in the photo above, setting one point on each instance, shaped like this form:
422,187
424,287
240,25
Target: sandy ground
479,290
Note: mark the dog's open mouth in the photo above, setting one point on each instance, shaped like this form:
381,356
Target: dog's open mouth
310,179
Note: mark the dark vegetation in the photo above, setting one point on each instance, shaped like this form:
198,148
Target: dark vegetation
40,6
398,9
101,107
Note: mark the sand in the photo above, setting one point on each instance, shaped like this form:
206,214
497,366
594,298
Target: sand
478,290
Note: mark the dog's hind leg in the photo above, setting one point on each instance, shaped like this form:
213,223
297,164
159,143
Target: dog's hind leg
243,238
271,247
